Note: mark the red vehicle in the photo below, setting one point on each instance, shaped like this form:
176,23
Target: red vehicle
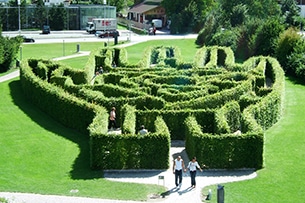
113,34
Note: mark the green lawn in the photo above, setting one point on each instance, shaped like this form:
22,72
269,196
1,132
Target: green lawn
54,50
187,48
39,155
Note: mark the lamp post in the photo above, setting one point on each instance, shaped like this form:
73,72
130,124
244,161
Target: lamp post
19,27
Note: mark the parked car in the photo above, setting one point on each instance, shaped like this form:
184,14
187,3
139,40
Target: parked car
113,33
46,29
27,39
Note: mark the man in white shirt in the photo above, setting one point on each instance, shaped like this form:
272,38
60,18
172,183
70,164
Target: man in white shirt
143,131
178,167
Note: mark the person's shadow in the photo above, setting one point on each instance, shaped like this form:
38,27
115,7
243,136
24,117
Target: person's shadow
185,190
168,192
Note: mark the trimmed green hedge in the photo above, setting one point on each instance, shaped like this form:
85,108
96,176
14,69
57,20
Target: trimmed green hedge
224,151
220,108
125,151
66,108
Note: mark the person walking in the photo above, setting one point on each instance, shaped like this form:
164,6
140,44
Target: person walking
193,166
178,168
112,117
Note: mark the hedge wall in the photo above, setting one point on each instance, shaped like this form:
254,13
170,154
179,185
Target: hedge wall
204,103
126,151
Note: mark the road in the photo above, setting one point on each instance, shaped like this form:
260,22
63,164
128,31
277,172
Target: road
83,36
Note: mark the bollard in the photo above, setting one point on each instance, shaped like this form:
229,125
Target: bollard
115,40
77,48
220,194
161,178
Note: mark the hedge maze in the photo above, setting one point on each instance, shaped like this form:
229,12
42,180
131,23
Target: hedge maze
219,107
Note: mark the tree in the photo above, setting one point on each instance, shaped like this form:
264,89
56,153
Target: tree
296,61
40,13
285,46
58,17
8,49
239,15
13,15
291,12
267,37
228,38
1,47
255,8
210,29
246,41
186,15
119,4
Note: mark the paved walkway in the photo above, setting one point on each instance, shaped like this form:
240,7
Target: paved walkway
175,195
185,193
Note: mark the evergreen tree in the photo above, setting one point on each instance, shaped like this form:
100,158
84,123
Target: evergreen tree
186,15
40,13
58,17
291,12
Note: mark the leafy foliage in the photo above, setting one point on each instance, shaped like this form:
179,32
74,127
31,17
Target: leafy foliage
296,60
40,13
239,15
211,27
267,36
291,12
8,50
285,46
58,17
256,8
186,15
227,38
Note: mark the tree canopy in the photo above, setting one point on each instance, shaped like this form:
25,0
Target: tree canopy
187,15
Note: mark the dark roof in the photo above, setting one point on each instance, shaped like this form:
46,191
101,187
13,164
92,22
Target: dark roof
145,6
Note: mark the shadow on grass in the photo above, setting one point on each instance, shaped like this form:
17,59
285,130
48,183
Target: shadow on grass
296,80
81,167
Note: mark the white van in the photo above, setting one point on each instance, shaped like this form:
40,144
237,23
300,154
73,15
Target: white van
157,23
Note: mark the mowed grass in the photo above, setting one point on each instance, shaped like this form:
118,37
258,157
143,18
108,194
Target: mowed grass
135,52
187,47
282,178
55,50
39,155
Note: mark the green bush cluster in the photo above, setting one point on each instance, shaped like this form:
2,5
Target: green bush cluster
220,108
8,50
